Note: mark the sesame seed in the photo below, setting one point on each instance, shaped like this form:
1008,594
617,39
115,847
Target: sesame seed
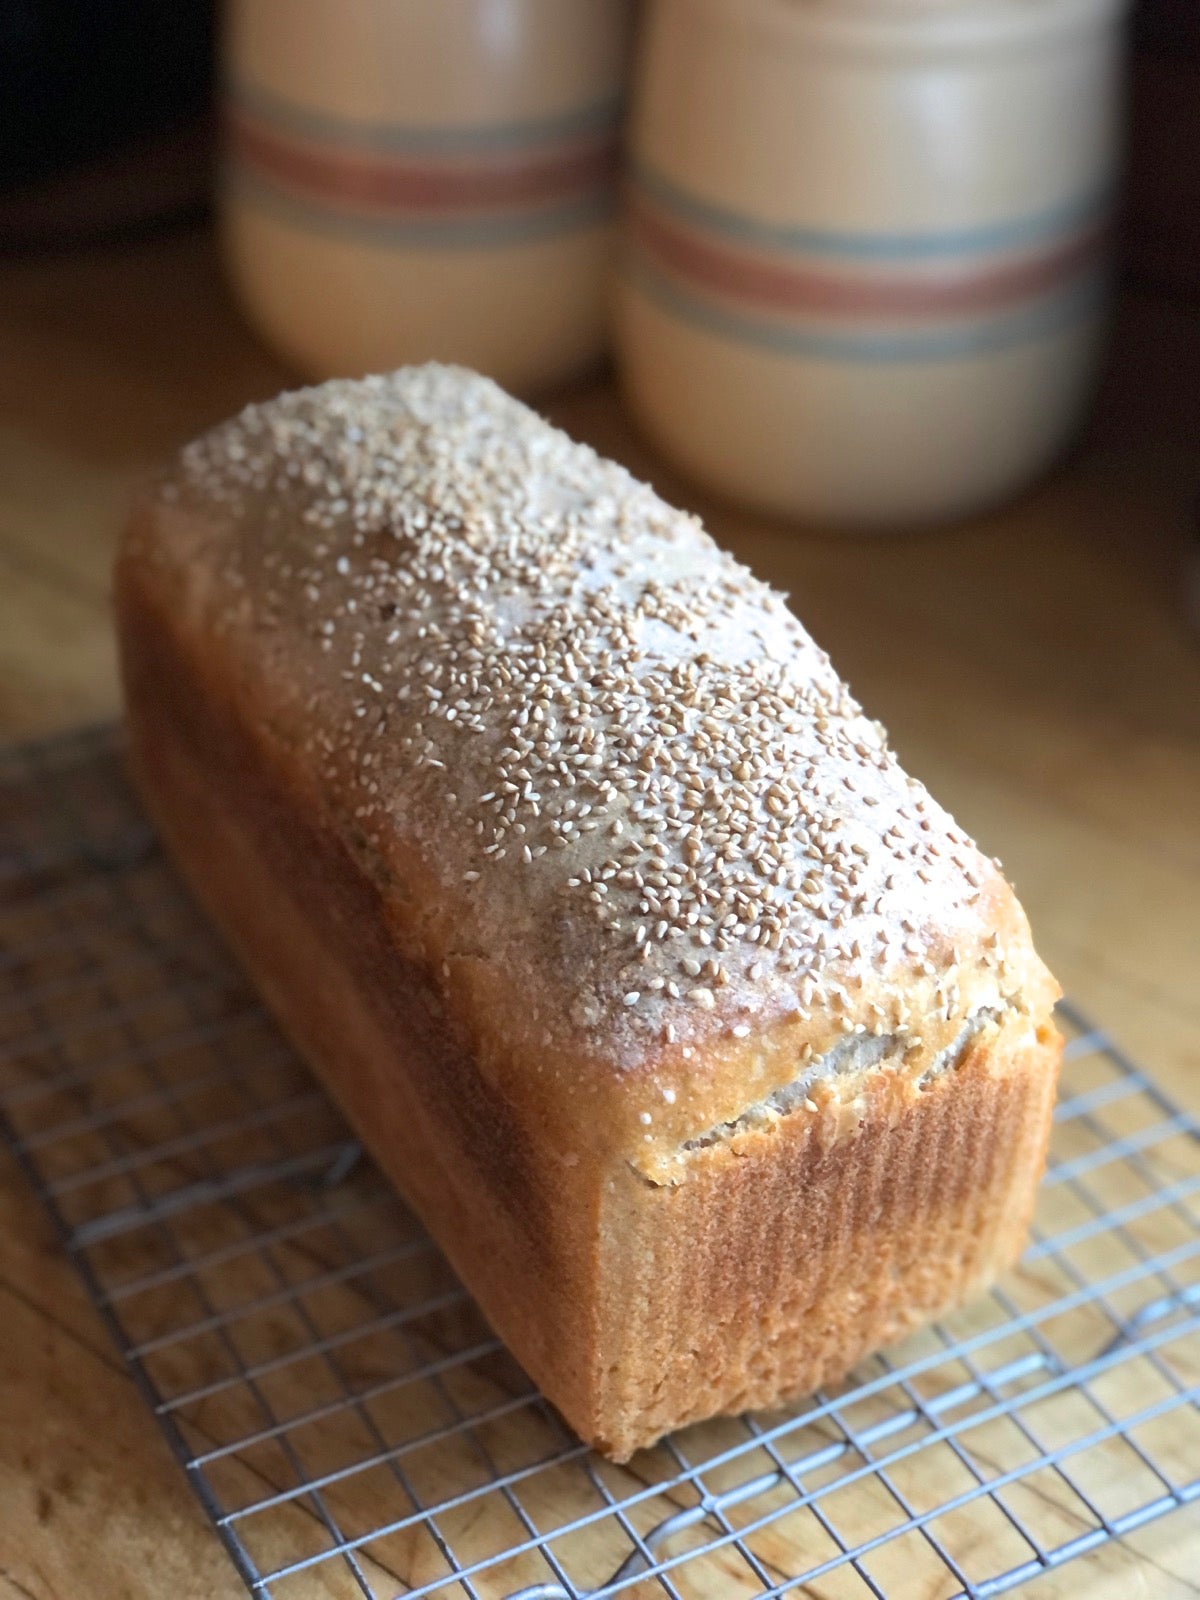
498,667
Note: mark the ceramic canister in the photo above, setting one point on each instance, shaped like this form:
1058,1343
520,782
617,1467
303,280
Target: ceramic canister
865,257
407,180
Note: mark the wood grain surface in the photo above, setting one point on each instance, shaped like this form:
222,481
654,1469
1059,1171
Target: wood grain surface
1034,668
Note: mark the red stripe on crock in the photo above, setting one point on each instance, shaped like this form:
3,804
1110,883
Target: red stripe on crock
402,184
772,286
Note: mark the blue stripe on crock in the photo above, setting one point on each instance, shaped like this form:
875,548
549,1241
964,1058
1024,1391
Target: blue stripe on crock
268,107
998,237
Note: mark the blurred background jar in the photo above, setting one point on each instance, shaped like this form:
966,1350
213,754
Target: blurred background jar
406,180
866,247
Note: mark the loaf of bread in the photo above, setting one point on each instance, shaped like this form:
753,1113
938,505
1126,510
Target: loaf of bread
708,1047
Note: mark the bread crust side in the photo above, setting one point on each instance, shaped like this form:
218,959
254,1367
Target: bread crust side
639,1295
788,1253
517,1224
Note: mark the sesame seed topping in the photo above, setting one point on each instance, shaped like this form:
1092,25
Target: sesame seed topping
514,662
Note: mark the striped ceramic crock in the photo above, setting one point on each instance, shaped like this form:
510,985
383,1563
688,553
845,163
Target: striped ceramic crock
470,187
428,180
867,286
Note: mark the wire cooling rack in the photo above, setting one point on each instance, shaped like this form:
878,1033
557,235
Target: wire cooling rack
351,1426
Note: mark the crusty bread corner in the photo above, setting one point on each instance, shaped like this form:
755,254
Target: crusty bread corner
707,1045
794,1250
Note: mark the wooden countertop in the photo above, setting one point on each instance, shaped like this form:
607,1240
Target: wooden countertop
1034,667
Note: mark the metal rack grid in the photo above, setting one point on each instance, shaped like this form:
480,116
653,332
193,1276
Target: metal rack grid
343,1412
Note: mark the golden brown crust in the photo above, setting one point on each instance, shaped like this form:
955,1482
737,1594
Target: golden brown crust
790,1253
785,1252
517,1224
666,1207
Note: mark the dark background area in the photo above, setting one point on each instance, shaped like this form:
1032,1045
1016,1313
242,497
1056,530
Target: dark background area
85,79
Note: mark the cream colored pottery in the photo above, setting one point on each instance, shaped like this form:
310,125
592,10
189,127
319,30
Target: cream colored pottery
407,180
865,262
